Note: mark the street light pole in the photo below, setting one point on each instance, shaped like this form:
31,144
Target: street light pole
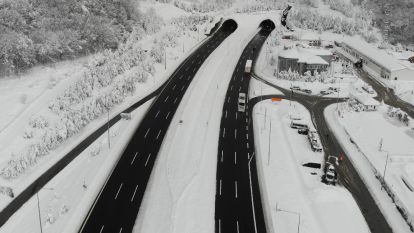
38,209
109,137
385,168
165,58
270,133
291,212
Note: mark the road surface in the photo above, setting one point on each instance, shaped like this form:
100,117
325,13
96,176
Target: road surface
238,201
117,206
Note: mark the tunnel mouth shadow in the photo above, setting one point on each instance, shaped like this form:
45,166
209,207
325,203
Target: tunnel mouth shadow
267,25
230,25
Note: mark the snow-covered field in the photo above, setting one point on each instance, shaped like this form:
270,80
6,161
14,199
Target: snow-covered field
45,85
288,186
366,129
180,196
66,199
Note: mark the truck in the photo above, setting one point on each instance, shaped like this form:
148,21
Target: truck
241,107
248,67
314,141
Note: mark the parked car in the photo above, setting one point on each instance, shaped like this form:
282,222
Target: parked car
295,88
241,107
307,91
315,141
298,125
335,89
330,175
303,131
326,92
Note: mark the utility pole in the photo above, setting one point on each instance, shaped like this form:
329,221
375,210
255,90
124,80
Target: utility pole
290,212
38,208
165,58
385,168
270,133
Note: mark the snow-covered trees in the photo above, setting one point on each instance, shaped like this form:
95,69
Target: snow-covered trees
306,77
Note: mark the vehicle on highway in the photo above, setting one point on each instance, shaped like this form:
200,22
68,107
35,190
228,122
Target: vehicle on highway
295,124
307,91
315,141
326,92
330,176
368,89
248,67
241,107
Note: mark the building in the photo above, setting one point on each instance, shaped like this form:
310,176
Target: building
374,61
368,103
308,37
303,60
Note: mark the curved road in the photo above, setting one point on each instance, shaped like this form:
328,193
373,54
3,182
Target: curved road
348,175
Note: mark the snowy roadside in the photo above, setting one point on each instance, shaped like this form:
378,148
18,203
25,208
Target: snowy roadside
10,143
180,196
75,188
291,189
366,170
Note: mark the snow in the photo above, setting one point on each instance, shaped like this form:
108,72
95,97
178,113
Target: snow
377,55
366,100
287,185
180,196
90,168
363,128
164,10
258,88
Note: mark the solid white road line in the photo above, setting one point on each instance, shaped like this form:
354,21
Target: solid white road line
156,115
235,157
166,99
147,159
168,114
221,156
102,228
132,162
220,188
158,134
119,189
145,136
235,185
133,195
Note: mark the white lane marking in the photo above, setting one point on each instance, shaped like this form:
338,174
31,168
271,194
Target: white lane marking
102,228
175,100
247,120
236,115
149,156
133,195
168,114
120,230
240,87
231,88
247,127
166,99
219,225
220,187
189,77
145,136
247,136
158,135
247,144
221,156
119,189
195,69
242,79
157,113
235,185
132,162
235,133
180,77
225,115
224,132
235,157
237,226
182,88
248,155
174,86
228,100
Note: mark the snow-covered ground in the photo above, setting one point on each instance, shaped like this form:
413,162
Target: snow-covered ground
367,130
64,208
258,88
286,185
49,83
180,196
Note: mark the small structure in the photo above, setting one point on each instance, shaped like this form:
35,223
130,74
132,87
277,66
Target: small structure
310,38
368,103
303,60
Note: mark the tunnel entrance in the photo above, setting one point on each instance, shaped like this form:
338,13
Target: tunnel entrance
267,25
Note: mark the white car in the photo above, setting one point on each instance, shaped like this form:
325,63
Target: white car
241,107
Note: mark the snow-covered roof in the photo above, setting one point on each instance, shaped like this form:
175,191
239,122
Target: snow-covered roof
317,52
308,36
405,55
366,100
303,56
380,57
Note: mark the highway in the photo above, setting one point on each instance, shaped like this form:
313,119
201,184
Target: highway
116,208
348,175
238,206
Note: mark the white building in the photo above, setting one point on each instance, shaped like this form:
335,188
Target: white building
369,103
375,62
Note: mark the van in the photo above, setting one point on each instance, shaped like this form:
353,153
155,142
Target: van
241,106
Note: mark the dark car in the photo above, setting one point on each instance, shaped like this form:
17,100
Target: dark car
303,131
307,91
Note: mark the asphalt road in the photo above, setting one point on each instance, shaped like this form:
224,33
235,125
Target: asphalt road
116,208
238,205
348,175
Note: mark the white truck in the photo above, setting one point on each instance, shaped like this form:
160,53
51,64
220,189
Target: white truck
248,67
